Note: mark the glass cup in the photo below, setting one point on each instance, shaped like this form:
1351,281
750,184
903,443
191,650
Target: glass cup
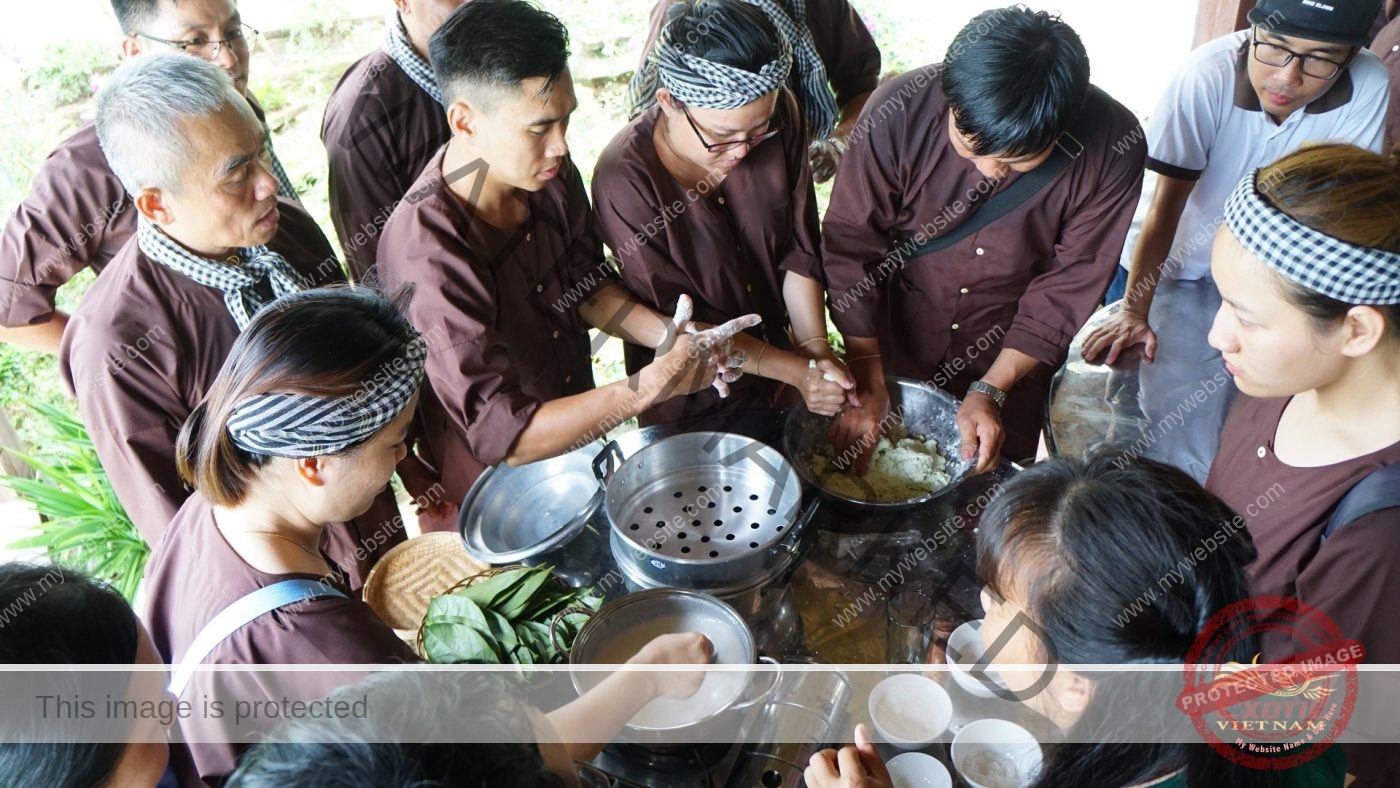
909,617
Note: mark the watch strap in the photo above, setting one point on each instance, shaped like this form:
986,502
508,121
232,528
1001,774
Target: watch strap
982,387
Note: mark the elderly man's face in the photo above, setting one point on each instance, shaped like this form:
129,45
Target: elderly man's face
197,21
228,195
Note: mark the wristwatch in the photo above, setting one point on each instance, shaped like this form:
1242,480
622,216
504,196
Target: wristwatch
982,387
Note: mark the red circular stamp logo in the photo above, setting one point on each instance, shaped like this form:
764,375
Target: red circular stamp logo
1279,714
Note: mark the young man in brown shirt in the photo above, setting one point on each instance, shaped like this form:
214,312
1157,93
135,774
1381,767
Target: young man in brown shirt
990,316
500,240
384,121
77,214
213,244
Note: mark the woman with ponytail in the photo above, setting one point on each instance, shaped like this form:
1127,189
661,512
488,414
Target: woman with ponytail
302,427
1308,265
1067,552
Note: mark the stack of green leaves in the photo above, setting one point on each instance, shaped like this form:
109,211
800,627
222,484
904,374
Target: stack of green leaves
507,618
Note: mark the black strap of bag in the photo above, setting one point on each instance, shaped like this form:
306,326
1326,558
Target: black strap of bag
1379,490
1068,148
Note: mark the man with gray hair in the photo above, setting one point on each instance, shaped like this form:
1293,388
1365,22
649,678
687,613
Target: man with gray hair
76,214
213,244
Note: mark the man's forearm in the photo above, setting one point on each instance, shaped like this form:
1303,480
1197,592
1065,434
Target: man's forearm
850,114
43,337
1155,242
615,311
1008,369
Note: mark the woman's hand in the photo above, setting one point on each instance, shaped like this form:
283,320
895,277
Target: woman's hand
853,767
682,648
826,386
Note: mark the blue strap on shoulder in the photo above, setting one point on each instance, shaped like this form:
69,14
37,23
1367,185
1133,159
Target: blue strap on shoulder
242,612
1378,490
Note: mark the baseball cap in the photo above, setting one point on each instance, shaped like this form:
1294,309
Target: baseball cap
1333,21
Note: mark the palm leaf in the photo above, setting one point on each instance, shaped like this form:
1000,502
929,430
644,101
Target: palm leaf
82,523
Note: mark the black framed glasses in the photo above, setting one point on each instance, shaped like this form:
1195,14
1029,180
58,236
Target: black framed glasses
720,147
1280,56
236,39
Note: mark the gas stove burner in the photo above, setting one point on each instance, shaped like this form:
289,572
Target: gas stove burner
675,766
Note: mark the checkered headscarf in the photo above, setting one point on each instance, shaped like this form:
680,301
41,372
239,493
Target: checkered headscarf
1335,268
701,83
401,51
298,425
237,281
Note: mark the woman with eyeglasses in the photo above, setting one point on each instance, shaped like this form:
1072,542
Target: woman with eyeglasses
708,193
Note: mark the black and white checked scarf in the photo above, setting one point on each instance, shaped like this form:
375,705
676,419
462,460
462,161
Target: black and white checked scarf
718,89
297,425
1335,268
397,45
238,282
284,181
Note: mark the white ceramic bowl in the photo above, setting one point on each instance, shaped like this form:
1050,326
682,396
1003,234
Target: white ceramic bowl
996,754
910,710
966,644
917,770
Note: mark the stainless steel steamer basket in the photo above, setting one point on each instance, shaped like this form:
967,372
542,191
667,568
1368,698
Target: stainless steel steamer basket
702,510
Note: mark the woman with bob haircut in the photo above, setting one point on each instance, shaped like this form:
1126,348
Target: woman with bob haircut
1066,548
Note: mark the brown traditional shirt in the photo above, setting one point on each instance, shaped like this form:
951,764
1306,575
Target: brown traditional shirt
76,215
142,350
499,310
380,130
1387,45
1353,577
194,574
1026,281
727,249
842,40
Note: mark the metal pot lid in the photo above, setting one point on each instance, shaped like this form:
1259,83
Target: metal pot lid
702,497
513,513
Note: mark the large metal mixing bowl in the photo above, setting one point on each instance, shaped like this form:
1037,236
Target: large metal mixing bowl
923,409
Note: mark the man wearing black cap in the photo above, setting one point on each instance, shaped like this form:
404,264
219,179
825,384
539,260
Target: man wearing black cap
1298,75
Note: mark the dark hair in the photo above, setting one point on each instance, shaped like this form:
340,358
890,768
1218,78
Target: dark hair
1348,193
58,615
132,14
1087,538
486,48
1015,80
730,32
394,744
326,342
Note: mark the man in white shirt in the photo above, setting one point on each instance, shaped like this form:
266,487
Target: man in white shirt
1298,75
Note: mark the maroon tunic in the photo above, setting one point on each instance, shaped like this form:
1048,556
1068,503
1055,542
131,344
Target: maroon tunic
728,250
842,40
1027,281
499,311
1353,578
380,131
1387,45
194,574
140,353
76,215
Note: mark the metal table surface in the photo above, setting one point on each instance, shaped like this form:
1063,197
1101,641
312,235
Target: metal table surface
849,562
1171,409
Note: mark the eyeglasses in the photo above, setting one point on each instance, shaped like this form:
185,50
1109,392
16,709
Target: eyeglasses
237,39
1278,57
720,147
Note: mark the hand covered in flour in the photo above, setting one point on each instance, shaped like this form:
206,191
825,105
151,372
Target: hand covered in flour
682,648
